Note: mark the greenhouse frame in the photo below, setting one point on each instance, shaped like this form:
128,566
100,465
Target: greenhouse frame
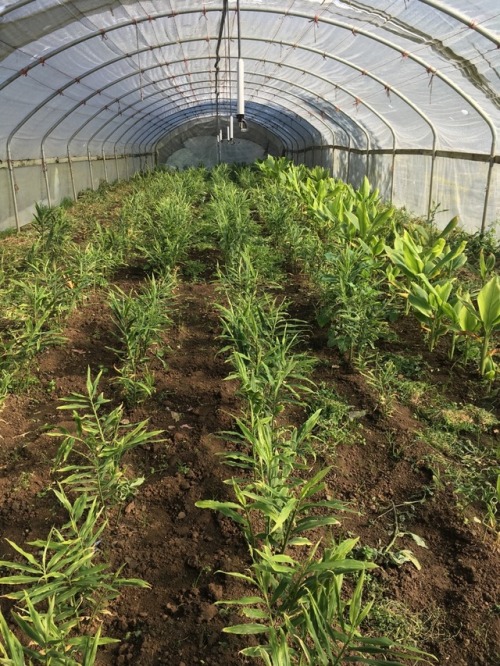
249,332
403,92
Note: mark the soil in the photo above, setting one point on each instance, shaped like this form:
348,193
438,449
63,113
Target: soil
181,550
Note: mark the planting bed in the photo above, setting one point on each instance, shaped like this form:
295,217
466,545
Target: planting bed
390,475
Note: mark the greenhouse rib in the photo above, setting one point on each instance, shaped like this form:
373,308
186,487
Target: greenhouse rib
291,12
95,93
183,98
331,118
462,18
68,113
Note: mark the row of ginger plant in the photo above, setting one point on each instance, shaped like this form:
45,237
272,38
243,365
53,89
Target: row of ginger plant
368,265
304,601
65,581
69,259
364,261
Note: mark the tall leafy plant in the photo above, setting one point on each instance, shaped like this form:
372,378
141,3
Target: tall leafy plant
65,587
99,442
483,319
353,302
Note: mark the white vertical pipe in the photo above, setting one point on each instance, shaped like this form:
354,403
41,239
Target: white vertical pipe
231,129
240,111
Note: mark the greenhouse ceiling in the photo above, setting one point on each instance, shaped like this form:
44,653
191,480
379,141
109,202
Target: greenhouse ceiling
383,78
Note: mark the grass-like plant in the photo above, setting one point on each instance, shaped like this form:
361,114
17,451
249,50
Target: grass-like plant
99,443
66,567
168,234
273,459
140,320
36,310
354,305
305,616
46,642
262,340
52,228
229,213
66,585
299,608
382,377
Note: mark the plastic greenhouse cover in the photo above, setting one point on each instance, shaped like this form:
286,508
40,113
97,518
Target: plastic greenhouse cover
89,77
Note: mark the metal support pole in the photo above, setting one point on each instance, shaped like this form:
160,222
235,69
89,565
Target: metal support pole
13,190
90,170
487,194
71,175
431,183
348,160
104,165
46,176
393,167
116,164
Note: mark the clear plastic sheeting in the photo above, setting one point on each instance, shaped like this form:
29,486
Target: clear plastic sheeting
202,151
196,144
406,92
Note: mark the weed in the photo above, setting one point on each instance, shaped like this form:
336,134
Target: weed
408,365
383,379
472,468
24,481
193,270
468,418
339,421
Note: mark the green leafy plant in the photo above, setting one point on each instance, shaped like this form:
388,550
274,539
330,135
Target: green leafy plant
140,320
66,586
263,342
229,213
304,615
482,321
486,265
65,569
299,610
52,227
433,307
36,311
48,642
167,233
100,441
353,304
433,259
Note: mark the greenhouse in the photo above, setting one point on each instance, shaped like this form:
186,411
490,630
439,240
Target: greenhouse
249,332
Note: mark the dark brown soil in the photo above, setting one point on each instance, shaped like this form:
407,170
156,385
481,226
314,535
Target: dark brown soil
179,549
